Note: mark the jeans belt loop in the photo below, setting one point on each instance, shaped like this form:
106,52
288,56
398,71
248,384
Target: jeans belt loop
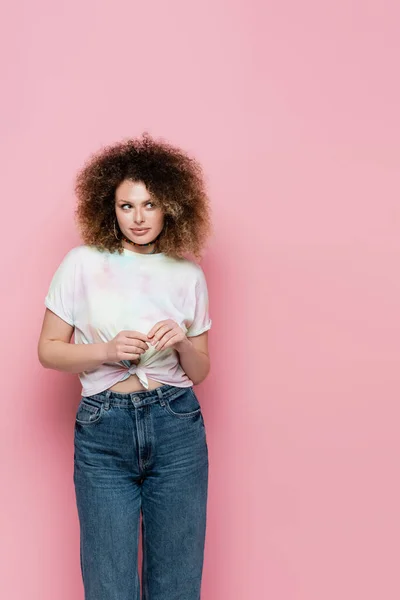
107,400
161,397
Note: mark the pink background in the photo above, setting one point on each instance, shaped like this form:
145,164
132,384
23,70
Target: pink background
293,109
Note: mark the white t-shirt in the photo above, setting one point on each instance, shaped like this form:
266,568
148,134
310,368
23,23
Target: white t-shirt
101,293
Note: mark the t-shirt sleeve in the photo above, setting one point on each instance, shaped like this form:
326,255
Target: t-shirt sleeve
60,295
201,321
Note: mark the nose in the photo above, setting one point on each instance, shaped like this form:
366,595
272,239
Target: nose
138,217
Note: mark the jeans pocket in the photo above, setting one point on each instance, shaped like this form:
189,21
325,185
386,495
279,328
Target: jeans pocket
184,404
89,411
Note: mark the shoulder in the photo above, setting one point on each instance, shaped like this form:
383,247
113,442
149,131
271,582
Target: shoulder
74,253
74,258
188,268
196,270
82,253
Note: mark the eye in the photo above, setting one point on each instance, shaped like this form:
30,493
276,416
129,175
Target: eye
149,202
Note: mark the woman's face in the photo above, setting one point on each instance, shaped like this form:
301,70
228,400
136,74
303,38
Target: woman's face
135,208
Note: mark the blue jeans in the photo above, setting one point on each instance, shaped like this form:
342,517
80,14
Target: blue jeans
141,451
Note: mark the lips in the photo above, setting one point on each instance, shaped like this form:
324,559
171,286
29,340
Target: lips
139,230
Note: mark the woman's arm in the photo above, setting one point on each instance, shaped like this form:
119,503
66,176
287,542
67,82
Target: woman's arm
193,356
75,358
56,352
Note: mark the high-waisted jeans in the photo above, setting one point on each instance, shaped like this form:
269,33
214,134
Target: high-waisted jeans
141,451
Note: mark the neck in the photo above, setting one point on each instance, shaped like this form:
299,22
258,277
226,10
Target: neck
152,244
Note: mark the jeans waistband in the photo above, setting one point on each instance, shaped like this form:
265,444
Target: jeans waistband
138,398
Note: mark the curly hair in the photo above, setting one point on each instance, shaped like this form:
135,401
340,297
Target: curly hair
169,173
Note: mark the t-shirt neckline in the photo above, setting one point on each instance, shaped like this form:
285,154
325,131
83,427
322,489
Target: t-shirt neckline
127,252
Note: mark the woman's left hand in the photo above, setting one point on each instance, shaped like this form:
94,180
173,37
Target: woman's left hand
168,334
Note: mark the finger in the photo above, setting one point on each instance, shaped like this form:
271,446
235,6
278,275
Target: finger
136,335
132,356
136,344
167,340
155,328
135,348
159,334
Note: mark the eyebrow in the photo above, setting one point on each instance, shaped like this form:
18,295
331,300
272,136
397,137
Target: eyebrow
130,201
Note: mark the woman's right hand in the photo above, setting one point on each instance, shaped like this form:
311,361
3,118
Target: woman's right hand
127,345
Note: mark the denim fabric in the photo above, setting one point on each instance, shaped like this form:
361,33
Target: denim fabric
141,451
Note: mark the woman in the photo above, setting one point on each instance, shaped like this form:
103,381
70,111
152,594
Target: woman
139,313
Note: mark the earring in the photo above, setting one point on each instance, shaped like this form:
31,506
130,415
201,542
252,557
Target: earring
115,231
